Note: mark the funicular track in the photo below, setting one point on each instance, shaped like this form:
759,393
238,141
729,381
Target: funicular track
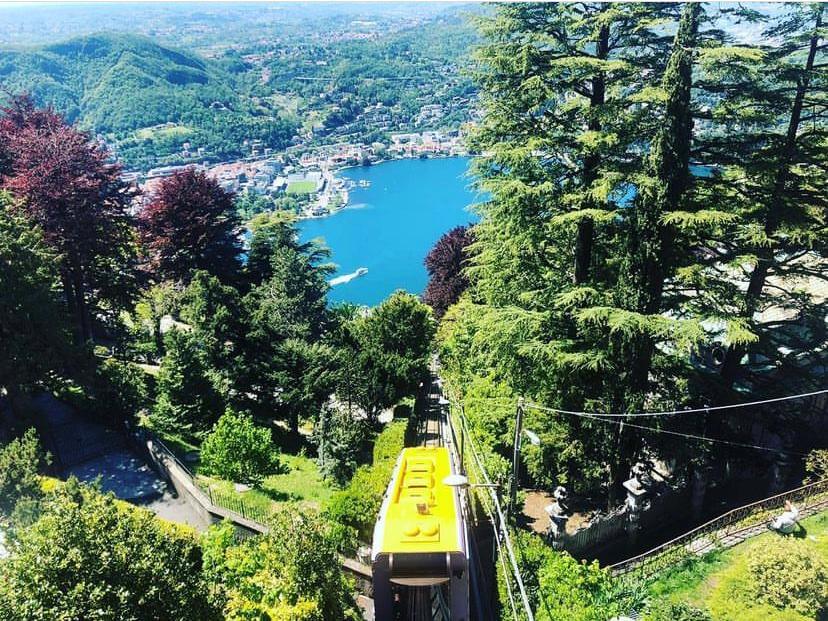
434,430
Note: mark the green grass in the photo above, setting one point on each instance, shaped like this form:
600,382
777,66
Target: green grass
301,483
719,582
287,104
179,445
163,132
301,187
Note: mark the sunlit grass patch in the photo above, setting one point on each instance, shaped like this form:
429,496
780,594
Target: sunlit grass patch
302,483
302,187
722,583
163,131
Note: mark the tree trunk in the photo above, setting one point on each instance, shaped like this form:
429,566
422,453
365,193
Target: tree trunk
583,250
584,240
84,322
776,206
71,304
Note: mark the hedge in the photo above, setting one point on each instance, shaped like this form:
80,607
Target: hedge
359,503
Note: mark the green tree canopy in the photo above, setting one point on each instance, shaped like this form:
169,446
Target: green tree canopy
593,216
213,311
239,451
188,400
90,556
32,327
20,463
387,353
283,368
292,573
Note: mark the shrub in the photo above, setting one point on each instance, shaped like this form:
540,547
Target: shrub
740,595
675,611
92,557
237,450
20,461
816,465
340,441
789,574
390,443
292,573
561,588
357,506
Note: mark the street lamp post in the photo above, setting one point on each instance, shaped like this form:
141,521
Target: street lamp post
515,458
535,441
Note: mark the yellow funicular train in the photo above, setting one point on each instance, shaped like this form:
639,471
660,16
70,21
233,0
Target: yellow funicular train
420,539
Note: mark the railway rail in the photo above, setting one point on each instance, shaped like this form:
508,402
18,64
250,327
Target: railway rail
417,577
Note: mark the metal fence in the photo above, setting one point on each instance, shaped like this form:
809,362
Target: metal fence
601,529
727,529
218,498
235,503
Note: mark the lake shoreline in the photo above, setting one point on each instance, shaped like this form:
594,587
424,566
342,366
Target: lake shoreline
408,205
338,169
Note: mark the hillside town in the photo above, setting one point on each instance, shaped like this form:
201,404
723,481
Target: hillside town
306,174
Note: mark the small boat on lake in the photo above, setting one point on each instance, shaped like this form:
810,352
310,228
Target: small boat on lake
364,183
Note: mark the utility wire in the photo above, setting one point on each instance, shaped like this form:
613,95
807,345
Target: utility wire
482,475
485,504
500,555
351,79
503,400
714,408
686,435
500,522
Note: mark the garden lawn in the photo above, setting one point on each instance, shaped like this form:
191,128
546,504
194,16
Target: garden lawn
720,581
302,483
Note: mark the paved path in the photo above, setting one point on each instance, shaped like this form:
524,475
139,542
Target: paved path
176,509
90,451
123,473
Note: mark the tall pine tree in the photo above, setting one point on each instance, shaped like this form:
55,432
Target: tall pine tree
772,104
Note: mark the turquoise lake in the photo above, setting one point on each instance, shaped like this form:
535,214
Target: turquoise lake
390,226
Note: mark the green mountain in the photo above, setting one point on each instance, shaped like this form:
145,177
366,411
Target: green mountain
126,86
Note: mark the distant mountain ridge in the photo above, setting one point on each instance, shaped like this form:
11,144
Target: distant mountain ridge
115,84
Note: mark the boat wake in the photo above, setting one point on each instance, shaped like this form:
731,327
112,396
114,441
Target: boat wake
341,280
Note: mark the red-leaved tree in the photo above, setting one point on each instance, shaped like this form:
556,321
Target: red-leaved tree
445,263
66,184
191,224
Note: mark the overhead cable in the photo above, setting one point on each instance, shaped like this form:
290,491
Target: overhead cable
500,522
713,408
688,435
